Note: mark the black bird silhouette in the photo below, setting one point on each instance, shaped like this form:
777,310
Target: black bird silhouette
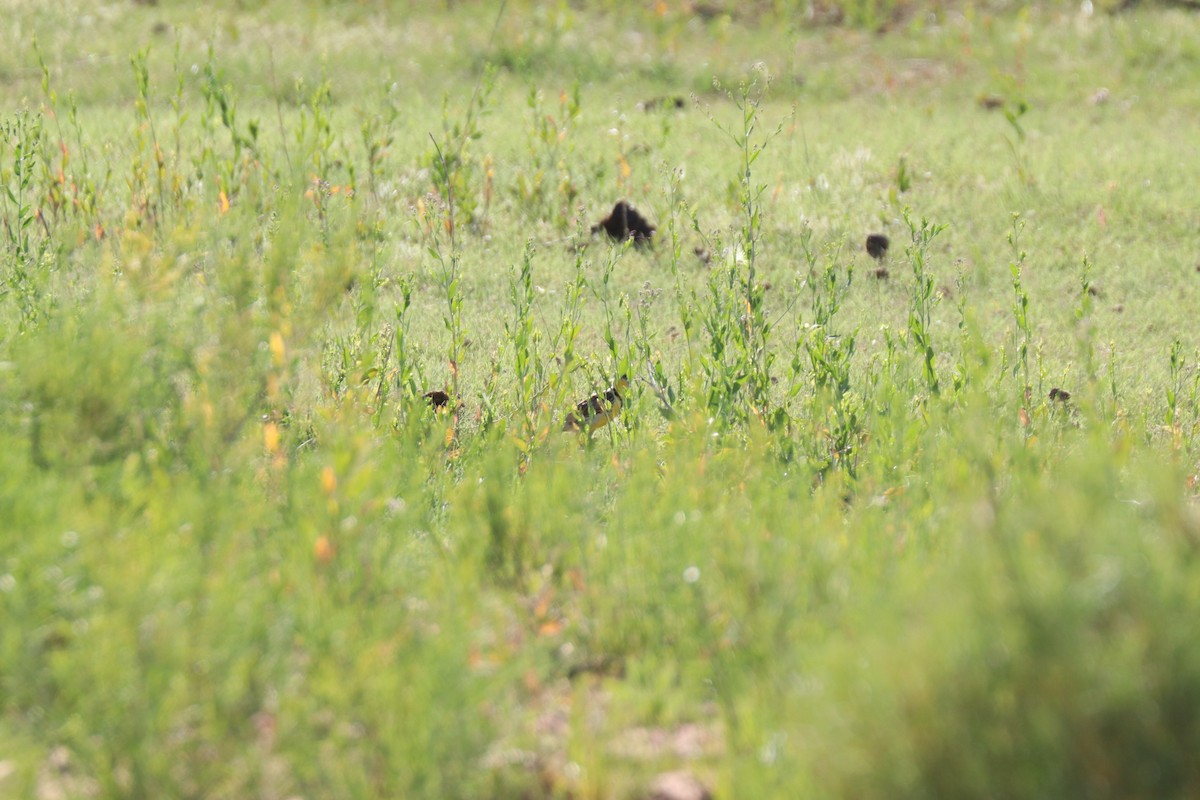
877,246
437,399
625,223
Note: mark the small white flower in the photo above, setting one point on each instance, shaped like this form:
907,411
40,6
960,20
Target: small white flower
691,574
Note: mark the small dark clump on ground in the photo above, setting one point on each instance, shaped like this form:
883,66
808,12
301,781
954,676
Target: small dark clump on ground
437,399
665,102
877,246
625,223
1061,395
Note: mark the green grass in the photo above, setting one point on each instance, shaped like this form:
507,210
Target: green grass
841,542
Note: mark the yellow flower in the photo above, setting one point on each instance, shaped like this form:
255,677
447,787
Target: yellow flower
271,437
277,349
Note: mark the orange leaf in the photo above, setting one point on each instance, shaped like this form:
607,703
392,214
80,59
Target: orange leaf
328,480
323,550
278,352
223,202
624,167
271,437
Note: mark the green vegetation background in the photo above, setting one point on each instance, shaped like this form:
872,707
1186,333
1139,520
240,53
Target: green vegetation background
924,526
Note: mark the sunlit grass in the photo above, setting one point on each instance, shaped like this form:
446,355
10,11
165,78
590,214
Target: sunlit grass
921,525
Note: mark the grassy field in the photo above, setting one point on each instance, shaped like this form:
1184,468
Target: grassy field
921,526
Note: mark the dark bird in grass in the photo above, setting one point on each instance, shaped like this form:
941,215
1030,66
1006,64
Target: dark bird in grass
437,399
625,223
598,410
664,102
877,246
1061,395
